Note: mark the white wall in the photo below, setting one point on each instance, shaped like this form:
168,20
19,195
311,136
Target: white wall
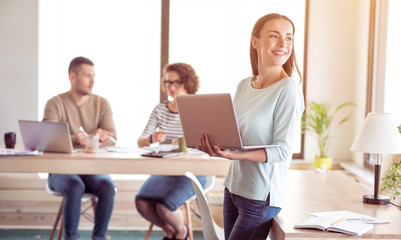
337,60
18,64
337,65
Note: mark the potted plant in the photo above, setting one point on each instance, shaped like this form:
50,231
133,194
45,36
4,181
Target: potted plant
392,180
318,121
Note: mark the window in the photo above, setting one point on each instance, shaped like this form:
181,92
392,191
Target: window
392,83
122,38
384,73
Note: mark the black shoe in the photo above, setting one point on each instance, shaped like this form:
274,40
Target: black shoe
186,238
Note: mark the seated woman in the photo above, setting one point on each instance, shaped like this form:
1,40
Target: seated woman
160,196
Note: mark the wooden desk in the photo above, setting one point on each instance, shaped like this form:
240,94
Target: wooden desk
309,191
114,163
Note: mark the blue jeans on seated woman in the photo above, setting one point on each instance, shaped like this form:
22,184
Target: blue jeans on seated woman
246,218
73,187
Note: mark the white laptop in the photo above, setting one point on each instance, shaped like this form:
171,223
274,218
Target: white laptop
46,136
213,114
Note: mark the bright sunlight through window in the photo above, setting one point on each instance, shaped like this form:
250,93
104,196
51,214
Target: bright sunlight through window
122,38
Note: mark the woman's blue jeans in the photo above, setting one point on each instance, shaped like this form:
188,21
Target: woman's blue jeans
73,187
246,218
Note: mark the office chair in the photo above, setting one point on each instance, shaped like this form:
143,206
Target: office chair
208,186
210,229
89,202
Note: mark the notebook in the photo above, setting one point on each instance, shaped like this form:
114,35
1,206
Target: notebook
213,114
342,225
46,136
341,221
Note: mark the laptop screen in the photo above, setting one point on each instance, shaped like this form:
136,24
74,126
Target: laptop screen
46,136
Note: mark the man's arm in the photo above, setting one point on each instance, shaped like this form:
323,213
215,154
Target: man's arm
53,113
106,123
50,113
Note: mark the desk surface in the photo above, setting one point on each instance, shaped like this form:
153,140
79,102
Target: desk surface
309,191
114,163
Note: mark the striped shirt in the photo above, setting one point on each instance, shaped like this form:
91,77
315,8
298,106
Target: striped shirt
166,120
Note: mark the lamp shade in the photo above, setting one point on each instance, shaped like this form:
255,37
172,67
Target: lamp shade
379,134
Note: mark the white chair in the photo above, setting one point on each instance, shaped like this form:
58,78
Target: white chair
208,186
211,231
90,202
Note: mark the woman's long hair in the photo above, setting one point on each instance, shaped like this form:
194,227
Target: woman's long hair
288,66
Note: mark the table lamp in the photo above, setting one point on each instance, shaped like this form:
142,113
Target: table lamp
378,135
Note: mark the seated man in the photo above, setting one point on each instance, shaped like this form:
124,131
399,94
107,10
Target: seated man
79,107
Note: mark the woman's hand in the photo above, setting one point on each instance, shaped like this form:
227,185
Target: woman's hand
159,136
213,151
256,155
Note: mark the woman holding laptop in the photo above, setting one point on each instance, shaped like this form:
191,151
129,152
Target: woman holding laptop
269,106
160,196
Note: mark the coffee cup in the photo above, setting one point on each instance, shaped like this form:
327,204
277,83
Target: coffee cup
182,146
9,139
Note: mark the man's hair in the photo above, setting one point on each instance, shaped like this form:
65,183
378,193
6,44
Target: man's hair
75,64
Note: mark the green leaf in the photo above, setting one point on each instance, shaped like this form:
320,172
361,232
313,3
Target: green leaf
318,121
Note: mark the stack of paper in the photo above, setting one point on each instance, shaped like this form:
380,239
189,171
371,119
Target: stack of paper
18,152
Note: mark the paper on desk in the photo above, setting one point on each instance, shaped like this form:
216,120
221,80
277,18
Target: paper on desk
349,216
169,148
152,148
125,150
161,147
18,152
195,151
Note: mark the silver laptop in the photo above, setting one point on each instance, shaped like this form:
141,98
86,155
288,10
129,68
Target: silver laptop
213,114
46,136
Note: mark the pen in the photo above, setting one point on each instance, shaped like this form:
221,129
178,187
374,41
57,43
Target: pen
113,140
81,129
337,221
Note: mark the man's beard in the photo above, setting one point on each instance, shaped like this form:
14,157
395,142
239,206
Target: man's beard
84,93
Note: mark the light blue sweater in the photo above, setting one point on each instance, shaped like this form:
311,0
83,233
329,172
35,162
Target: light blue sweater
266,116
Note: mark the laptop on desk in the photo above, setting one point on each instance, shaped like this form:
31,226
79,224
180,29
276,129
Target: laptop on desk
46,136
213,114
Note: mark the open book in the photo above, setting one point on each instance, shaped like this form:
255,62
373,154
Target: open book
340,221
341,225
